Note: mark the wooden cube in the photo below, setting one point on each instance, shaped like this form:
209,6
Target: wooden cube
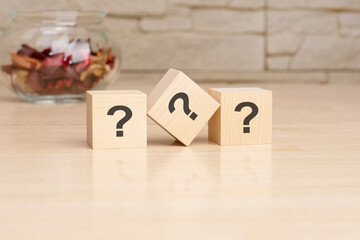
116,119
245,116
180,106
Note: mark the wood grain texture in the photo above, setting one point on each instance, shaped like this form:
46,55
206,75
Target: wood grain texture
230,124
178,123
102,124
306,185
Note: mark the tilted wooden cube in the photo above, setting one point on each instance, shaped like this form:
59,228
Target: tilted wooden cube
116,119
245,116
180,106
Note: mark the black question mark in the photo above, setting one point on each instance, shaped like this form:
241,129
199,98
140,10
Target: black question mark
120,124
185,98
253,113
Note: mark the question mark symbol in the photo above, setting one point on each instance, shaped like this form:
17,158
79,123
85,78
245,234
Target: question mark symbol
120,124
253,113
185,98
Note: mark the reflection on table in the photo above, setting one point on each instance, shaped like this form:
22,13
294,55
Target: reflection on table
119,174
246,171
183,174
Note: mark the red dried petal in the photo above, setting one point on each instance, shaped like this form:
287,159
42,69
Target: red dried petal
67,61
33,80
111,61
59,86
55,60
46,52
70,72
30,52
52,67
82,65
50,87
68,82
7,68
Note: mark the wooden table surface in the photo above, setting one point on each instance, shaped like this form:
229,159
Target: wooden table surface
305,186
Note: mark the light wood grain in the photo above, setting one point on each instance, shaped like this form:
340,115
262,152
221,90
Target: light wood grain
184,126
230,125
104,111
305,186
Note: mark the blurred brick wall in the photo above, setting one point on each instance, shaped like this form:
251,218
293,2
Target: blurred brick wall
305,40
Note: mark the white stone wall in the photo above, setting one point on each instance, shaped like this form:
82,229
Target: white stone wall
230,39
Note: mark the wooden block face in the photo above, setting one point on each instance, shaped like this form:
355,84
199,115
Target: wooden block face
180,106
245,116
116,119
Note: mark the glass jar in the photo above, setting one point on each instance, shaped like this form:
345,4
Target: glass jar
56,56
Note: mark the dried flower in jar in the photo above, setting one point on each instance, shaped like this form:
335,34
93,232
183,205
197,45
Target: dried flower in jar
69,70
